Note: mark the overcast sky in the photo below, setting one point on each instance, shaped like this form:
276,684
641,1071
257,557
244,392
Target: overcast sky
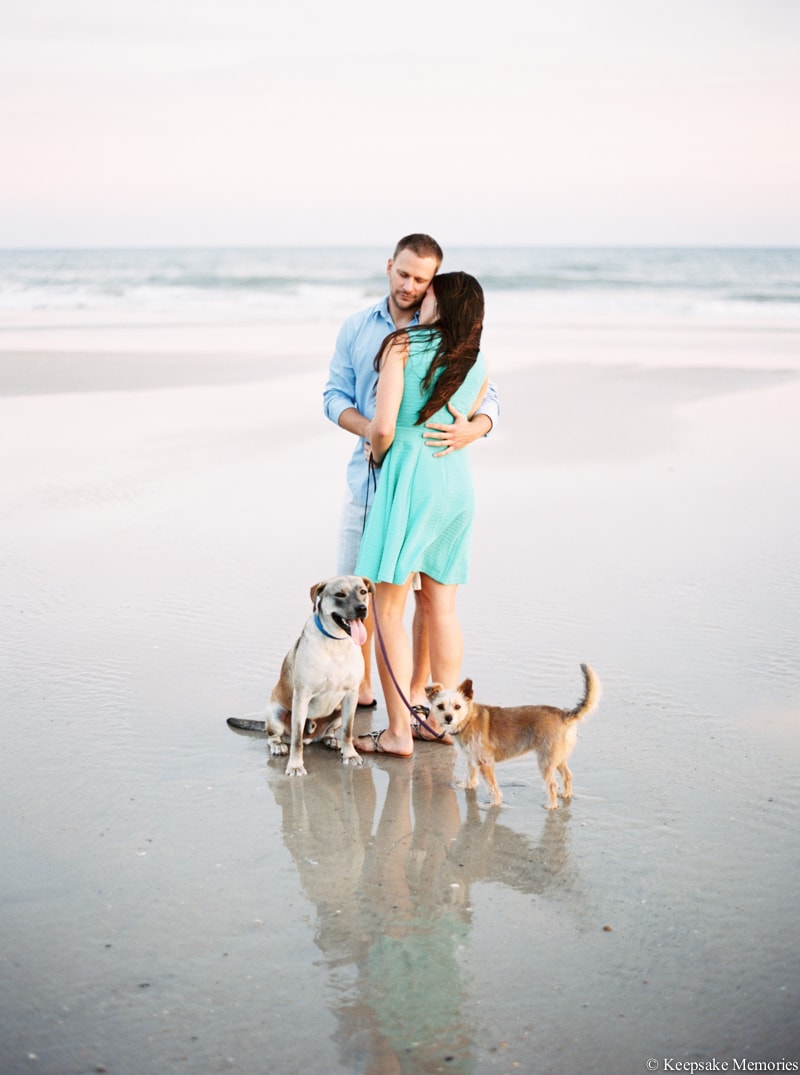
160,122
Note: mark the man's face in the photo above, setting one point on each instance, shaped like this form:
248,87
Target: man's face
409,277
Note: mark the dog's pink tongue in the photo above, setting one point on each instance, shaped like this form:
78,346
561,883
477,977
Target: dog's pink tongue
358,632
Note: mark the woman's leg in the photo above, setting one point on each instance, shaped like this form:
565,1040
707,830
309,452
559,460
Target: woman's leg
445,640
389,607
421,670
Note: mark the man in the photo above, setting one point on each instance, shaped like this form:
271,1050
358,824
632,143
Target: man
349,401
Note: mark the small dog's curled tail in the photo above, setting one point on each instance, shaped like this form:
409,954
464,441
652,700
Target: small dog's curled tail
591,696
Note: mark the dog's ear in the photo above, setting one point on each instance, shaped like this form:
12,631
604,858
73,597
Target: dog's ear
369,584
433,689
316,590
466,689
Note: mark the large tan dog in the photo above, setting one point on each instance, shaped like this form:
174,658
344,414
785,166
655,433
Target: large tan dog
490,733
317,692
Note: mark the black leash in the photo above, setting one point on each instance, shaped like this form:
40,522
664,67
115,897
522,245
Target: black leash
371,474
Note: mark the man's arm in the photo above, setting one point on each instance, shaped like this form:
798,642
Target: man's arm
339,395
463,430
348,397
354,421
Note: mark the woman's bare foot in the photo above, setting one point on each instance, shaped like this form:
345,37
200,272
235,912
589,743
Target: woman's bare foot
383,742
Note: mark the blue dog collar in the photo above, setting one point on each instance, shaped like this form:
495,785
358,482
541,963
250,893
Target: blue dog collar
318,622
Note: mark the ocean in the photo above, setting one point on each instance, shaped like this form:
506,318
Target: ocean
721,286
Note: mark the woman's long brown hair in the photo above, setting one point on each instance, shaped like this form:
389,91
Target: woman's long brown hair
459,298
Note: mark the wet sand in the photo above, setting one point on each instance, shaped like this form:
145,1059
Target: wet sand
171,902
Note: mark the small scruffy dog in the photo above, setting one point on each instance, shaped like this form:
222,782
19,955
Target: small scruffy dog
490,733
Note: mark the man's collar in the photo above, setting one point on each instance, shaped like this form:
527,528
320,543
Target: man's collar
384,310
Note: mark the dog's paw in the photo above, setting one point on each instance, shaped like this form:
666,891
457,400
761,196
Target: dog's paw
295,768
332,743
351,757
277,748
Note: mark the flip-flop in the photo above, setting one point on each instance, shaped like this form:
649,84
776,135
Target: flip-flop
369,705
378,749
420,732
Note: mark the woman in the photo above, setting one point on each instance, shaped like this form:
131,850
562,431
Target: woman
421,519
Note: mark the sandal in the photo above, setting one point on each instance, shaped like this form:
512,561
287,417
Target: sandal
377,748
420,729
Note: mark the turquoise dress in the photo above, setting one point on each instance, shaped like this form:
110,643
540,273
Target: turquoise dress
422,514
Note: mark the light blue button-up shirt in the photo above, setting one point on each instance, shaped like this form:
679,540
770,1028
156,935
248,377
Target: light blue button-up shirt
352,380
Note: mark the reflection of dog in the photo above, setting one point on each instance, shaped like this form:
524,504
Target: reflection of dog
320,674
490,733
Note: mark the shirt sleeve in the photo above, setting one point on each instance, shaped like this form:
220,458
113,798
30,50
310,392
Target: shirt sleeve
340,389
490,404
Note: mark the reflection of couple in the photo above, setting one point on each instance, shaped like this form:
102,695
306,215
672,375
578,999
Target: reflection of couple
432,399
390,882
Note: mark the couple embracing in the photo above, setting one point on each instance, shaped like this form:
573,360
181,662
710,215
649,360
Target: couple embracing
408,379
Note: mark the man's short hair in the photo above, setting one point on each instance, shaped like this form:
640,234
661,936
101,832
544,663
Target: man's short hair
422,245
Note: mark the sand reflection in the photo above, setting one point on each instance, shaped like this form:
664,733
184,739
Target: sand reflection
388,861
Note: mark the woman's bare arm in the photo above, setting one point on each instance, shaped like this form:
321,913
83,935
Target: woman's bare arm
389,395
